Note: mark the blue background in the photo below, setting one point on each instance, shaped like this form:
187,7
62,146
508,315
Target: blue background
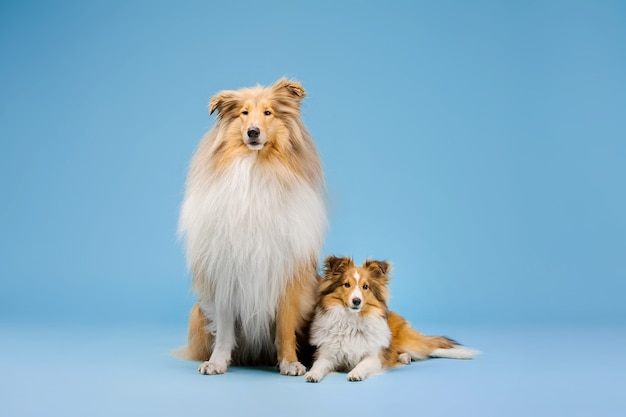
479,146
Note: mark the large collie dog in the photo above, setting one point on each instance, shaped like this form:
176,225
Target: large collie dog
354,330
253,220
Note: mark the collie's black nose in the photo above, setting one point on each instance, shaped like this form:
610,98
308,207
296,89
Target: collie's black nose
356,301
254,132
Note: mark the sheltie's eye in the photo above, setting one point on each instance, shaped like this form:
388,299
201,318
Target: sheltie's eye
267,112
365,286
245,112
347,285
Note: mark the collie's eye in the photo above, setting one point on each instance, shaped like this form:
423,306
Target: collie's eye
347,285
267,112
365,286
245,112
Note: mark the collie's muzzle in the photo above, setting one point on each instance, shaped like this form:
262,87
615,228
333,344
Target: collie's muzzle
254,140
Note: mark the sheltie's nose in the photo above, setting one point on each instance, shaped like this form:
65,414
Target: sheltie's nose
254,132
356,302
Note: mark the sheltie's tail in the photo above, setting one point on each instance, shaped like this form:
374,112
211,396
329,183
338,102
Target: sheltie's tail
412,345
455,352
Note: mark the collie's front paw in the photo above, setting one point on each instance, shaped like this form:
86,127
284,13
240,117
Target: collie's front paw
313,376
292,368
213,368
355,376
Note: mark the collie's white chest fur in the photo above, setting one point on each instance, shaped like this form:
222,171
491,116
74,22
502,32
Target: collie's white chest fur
348,337
246,234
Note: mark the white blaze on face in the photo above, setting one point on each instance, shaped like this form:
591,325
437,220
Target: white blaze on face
356,293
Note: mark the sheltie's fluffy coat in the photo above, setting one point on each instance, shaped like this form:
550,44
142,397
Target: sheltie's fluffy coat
253,220
354,330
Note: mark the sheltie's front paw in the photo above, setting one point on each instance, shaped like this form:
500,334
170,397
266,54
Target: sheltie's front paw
313,376
355,376
291,368
213,368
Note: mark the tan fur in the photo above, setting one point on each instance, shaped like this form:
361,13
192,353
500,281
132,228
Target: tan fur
199,341
291,155
295,310
405,339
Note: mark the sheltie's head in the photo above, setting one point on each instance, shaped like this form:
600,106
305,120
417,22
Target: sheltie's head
359,289
265,121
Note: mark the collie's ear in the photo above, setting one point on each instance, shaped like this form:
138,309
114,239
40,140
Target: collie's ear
224,102
335,266
291,87
377,268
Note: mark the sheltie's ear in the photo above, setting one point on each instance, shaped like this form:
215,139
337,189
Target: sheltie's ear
224,102
378,269
334,266
293,88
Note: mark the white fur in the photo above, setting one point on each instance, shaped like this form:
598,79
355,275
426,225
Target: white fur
291,368
347,341
457,352
356,293
246,233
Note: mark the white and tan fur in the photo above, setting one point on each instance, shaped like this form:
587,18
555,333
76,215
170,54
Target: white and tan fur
354,330
253,220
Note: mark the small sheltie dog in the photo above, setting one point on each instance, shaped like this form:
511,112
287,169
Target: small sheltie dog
354,331
253,220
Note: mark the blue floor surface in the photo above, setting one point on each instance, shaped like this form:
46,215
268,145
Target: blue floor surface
108,371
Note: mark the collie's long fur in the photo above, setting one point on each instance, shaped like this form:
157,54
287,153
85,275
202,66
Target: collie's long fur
253,220
354,331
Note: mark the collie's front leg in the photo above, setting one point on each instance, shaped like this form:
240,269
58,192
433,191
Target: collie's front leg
224,344
295,307
368,366
286,326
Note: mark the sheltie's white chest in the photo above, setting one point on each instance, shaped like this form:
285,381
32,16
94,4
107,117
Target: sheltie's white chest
347,336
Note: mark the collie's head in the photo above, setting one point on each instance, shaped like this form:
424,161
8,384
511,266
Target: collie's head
259,116
264,121
359,289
